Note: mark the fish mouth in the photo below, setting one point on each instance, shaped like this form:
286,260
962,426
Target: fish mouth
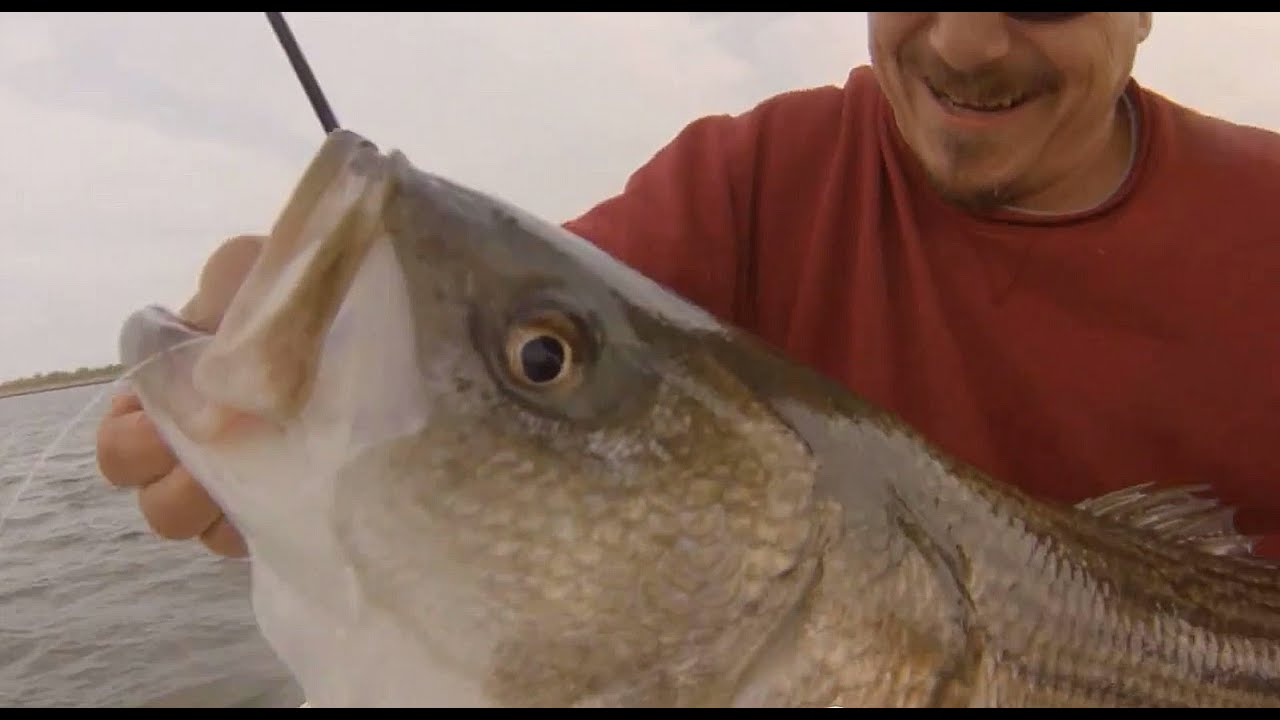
159,349
263,358
152,332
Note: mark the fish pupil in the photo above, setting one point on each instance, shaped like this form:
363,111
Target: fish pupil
542,358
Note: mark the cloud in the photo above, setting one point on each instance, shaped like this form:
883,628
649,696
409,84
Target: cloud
133,143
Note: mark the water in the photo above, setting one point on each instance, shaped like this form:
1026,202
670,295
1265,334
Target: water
95,610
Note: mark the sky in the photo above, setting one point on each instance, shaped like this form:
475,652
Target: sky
134,143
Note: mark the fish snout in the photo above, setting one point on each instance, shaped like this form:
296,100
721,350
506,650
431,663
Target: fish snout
159,350
151,331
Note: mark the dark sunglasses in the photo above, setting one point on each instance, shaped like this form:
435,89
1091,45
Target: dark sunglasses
1046,17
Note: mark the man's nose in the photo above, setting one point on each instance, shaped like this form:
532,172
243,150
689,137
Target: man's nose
967,41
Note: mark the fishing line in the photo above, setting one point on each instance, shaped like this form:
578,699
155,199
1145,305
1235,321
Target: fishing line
9,439
328,121
39,463
75,422
303,70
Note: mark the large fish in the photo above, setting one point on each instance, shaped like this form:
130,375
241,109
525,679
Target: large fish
477,461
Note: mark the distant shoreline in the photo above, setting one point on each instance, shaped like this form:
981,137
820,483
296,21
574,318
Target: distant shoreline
17,392
61,380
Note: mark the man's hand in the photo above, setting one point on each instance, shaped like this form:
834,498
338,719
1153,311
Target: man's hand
131,454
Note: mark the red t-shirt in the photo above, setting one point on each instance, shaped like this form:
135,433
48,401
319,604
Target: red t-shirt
1070,355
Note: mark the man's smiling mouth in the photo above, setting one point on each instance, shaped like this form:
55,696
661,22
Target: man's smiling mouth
987,104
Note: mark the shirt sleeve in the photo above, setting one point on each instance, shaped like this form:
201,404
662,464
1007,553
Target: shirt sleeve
681,218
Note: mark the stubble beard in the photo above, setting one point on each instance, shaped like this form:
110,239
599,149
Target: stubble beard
955,172
952,181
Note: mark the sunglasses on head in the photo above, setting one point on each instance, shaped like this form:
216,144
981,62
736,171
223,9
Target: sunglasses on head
1044,17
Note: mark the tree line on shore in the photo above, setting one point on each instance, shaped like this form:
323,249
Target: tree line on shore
59,378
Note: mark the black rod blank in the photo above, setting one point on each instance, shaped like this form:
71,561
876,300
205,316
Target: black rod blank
308,79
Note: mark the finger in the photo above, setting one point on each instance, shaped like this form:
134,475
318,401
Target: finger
223,539
124,402
176,507
130,451
221,278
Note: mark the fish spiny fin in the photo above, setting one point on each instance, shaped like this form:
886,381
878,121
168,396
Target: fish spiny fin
1176,514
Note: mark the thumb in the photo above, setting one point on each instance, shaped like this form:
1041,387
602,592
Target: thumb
223,274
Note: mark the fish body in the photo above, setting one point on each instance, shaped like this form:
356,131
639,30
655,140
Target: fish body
479,462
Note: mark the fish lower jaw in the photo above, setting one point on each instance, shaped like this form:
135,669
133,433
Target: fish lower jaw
346,654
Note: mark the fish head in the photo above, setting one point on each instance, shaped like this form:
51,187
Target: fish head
465,443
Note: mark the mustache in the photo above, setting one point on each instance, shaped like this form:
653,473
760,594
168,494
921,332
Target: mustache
991,82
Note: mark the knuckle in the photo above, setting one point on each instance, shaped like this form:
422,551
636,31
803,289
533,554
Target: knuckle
164,523
108,452
172,509
162,527
129,451
223,539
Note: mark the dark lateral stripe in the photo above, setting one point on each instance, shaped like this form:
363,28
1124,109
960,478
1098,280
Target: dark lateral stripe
1161,677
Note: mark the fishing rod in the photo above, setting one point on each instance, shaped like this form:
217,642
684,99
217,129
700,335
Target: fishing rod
328,120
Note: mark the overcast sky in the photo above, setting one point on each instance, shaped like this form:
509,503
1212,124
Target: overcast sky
133,143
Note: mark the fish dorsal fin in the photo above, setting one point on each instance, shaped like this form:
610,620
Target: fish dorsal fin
1176,514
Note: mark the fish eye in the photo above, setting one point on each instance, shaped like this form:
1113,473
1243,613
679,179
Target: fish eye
543,351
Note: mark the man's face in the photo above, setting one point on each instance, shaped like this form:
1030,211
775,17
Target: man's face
997,108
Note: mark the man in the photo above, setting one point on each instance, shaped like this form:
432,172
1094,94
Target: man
1056,275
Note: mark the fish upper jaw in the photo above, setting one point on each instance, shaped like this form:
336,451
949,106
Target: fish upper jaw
313,361
152,330
263,358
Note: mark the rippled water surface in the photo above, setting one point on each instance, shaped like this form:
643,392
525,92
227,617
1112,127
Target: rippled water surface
96,611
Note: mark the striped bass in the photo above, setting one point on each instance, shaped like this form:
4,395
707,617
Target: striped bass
479,462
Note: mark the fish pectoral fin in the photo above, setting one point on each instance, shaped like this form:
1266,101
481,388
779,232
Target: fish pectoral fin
1178,513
